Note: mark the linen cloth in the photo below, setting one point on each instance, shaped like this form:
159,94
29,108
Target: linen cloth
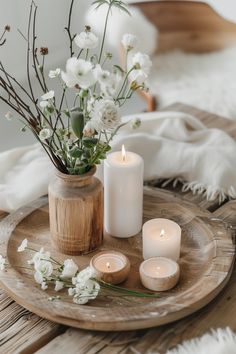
174,145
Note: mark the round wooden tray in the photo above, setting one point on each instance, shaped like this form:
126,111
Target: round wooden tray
207,256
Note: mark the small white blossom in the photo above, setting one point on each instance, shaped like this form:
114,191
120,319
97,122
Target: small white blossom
85,291
129,41
44,104
84,275
109,82
90,104
135,123
44,285
88,130
79,72
2,262
86,40
45,134
41,255
59,285
9,116
70,269
142,65
43,267
23,245
105,115
38,277
54,73
48,95
71,291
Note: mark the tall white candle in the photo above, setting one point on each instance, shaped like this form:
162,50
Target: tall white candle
123,193
161,238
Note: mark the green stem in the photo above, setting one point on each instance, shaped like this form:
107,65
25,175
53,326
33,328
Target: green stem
104,33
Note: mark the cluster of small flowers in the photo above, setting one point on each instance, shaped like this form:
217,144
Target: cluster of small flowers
103,108
83,286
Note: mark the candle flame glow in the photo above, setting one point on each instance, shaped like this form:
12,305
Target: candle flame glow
108,265
123,153
162,233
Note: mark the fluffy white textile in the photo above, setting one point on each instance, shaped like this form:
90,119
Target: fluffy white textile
220,341
174,145
120,23
207,81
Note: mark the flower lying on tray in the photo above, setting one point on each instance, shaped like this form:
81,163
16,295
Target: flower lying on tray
83,285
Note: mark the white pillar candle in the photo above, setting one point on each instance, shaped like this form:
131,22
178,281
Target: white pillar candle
123,193
111,266
159,274
161,238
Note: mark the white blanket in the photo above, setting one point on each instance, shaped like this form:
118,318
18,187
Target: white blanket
174,146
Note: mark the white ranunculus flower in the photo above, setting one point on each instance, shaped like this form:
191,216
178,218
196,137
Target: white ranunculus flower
70,269
2,262
48,95
86,40
54,73
105,115
129,41
41,255
45,134
79,72
59,285
23,245
89,129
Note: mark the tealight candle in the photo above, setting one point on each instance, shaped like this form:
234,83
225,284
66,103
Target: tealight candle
159,274
161,238
123,193
111,266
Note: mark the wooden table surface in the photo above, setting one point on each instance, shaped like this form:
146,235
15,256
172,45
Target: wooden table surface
24,332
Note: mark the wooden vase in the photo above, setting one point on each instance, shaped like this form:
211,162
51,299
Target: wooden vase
76,213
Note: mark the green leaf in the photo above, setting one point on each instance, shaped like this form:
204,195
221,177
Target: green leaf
77,123
90,142
76,152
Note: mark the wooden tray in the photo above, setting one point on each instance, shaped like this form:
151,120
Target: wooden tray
207,256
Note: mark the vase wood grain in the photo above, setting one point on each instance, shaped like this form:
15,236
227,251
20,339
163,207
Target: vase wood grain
76,213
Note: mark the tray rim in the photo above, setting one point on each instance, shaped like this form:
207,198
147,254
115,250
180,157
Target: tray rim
146,321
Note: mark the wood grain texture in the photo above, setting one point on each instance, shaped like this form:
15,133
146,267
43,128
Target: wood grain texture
76,213
207,255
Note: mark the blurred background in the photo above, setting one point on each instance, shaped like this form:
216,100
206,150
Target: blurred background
52,17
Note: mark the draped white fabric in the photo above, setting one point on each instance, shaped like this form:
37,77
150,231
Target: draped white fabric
174,145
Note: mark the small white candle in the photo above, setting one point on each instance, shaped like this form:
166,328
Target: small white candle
111,266
161,238
159,274
123,193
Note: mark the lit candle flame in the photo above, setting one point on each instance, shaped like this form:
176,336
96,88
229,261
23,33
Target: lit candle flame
162,233
108,265
123,153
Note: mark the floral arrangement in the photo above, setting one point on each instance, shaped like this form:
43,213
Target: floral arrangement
82,286
76,136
